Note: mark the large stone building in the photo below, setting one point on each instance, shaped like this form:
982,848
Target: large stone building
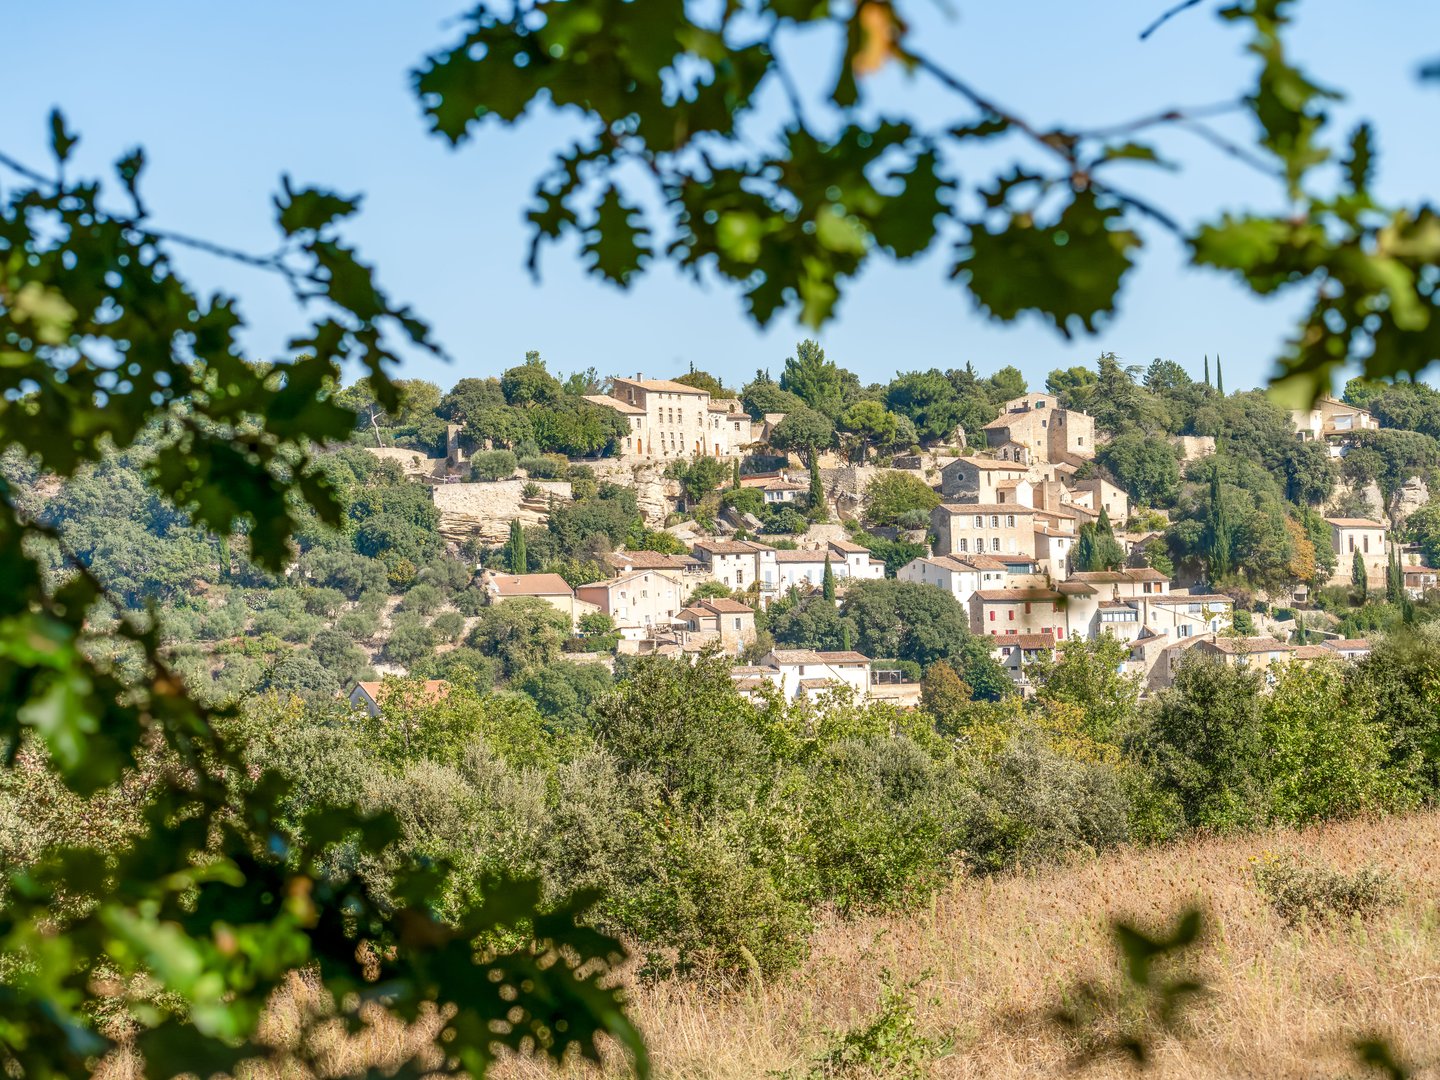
1351,535
671,420
983,529
1037,423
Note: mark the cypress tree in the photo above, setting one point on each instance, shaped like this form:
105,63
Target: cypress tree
1394,578
827,583
1207,369
847,636
519,557
1219,377
1082,557
735,475
1219,529
817,491
1358,577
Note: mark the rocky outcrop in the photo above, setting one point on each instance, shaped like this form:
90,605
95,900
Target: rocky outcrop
1411,496
485,510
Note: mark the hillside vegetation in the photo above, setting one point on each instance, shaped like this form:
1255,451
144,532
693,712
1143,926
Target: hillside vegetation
993,958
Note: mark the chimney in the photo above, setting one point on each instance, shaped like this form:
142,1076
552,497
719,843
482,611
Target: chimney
639,375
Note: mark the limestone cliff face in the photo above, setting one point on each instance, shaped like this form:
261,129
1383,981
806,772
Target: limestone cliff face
487,509
1413,494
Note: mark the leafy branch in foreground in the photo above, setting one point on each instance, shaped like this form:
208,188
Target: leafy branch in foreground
186,932
671,94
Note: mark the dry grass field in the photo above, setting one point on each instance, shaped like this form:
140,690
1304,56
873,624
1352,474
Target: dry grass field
993,958
1000,954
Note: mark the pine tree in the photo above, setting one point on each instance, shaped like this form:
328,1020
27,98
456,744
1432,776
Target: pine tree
827,583
1219,530
1358,577
519,558
735,475
1219,377
1207,369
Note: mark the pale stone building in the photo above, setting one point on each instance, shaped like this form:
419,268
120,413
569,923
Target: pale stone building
637,602
1049,432
1332,422
983,529
552,588
1349,535
671,420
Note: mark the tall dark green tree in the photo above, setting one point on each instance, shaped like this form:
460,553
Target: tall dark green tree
1394,577
1207,369
519,557
1219,538
827,583
817,489
1219,377
1358,577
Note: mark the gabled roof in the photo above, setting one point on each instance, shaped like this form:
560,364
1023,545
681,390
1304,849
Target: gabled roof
1029,642
1355,523
1347,644
666,386
1190,598
987,463
650,560
723,605
1075,588
810,556
796,656
848,547
988,508
531,585
433,690
1249,646
1015,596
615,403
848,656
731,547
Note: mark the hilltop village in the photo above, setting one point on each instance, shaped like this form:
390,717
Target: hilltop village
761,506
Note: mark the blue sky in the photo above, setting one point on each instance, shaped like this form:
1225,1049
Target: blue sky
225,98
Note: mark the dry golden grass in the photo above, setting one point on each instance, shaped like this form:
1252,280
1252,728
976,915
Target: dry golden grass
1002,952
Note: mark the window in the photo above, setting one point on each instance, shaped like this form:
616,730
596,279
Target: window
1044,423
1080,440
979,522
1010,521
992,616
1059,632
994,521
979,543
1011,612
1367,545
1183,631
737,622
962,545
1027,607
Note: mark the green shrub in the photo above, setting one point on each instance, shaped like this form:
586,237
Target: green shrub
1300,891
889,1044
493,465
448,625
423,599
545,467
